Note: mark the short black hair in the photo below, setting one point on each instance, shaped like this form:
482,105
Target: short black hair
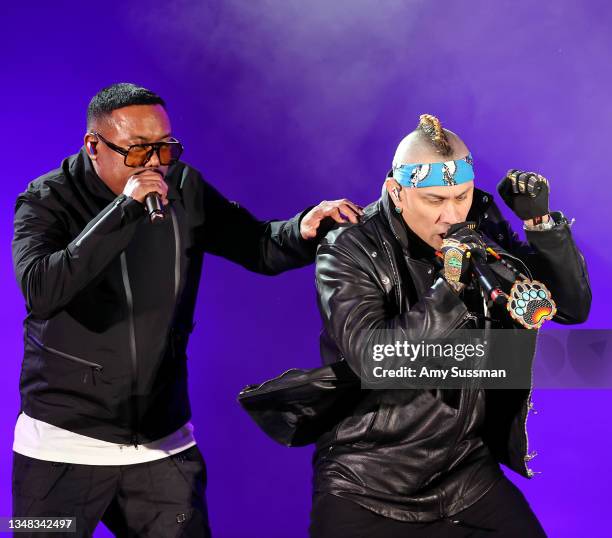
118,96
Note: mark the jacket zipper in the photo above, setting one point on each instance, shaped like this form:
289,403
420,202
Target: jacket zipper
394,271
95,367
132,325
251,388
529,405
460,322
102,219
177,253
67,356
526,456
134,386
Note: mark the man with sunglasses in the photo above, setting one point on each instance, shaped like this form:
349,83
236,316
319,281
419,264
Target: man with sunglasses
104,431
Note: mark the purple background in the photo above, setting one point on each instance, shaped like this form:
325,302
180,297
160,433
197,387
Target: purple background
284,103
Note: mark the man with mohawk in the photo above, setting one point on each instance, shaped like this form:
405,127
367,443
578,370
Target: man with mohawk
420,462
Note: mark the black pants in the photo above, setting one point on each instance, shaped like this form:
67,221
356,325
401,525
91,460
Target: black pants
163,498
502,513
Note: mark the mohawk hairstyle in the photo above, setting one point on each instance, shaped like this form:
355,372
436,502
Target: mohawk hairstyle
431,127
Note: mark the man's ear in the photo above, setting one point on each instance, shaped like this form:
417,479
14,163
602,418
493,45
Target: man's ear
91,143
393,188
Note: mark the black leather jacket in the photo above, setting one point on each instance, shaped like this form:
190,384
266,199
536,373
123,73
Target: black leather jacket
410,454
110,297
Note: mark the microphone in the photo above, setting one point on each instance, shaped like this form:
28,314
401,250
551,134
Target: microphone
488,282
154,206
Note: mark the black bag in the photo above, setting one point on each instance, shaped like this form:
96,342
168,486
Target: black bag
298,406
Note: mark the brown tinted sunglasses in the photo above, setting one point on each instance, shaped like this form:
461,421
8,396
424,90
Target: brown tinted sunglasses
138,155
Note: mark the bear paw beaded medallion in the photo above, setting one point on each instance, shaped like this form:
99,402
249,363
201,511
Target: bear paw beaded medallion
531,304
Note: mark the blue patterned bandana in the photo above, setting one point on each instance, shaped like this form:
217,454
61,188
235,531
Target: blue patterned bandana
442,174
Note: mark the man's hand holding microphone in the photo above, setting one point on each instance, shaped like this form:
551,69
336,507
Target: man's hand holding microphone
149,188
460,246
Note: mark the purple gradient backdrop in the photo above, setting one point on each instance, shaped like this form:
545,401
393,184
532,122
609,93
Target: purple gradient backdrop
284,103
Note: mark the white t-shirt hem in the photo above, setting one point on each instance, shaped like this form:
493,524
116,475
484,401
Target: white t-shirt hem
42,441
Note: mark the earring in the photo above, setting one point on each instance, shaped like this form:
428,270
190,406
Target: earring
398,209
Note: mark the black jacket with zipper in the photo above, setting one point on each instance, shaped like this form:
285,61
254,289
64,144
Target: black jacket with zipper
409,454
110,297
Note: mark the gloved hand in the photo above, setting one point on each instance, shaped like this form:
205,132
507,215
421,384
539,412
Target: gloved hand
526,193
460,243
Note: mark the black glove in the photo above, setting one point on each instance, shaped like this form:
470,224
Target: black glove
526,193
460,243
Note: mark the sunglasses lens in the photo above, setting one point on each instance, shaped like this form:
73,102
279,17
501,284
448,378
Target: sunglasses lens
169,153
137,156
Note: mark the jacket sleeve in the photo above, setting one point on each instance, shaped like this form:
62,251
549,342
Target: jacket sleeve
355,312
51,268
554,259
269,247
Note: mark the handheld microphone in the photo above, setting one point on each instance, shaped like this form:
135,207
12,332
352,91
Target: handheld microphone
154,206
488,282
